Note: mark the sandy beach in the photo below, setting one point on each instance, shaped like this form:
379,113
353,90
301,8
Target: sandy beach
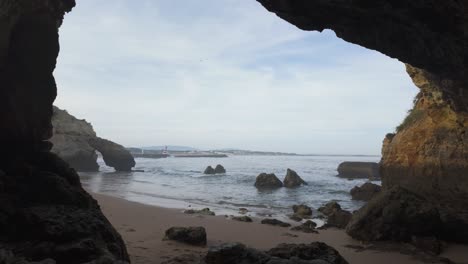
142,228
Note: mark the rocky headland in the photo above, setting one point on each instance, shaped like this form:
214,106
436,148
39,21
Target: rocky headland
76,142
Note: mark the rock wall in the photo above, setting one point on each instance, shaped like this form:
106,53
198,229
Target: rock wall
429,152
44,211
76,142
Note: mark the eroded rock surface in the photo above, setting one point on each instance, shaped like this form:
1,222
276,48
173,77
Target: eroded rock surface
76,142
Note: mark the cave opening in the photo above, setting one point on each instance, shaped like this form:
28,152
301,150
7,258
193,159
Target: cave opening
45,212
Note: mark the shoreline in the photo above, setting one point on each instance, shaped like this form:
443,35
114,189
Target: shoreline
142,228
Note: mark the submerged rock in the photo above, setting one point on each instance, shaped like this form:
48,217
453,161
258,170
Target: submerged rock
219,169
188,235
292,180
275,222
365,192
209,170
359,170
268,181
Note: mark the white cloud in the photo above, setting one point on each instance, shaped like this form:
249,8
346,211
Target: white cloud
224,74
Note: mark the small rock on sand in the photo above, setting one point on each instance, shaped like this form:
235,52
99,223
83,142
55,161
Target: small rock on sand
188,235
275,222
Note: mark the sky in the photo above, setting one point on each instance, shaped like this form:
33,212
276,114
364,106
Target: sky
224,74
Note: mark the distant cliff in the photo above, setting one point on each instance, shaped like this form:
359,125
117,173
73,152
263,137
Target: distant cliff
76,142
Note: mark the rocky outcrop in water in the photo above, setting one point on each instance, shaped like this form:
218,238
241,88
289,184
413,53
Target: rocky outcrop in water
365,192
45,214
292,180
359,170
219,169
76,142
427,155
267,181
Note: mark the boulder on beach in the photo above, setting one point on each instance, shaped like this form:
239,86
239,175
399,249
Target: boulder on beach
204,211
317,252
339,219
243,218
275,222
188,235
219,169
399,214
302,211
365,192
359,170
292,180
307,227
268,181
336,217
235,253
329,208
209,170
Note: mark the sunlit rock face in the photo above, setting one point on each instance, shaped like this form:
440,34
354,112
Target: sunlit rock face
44,211
428,154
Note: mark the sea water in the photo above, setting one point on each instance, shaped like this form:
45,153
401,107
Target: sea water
180,183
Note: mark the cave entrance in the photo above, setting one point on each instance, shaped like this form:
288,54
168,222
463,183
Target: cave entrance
155,72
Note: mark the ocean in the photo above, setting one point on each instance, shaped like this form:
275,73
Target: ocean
180,183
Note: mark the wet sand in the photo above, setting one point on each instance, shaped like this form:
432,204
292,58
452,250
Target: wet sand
143,226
